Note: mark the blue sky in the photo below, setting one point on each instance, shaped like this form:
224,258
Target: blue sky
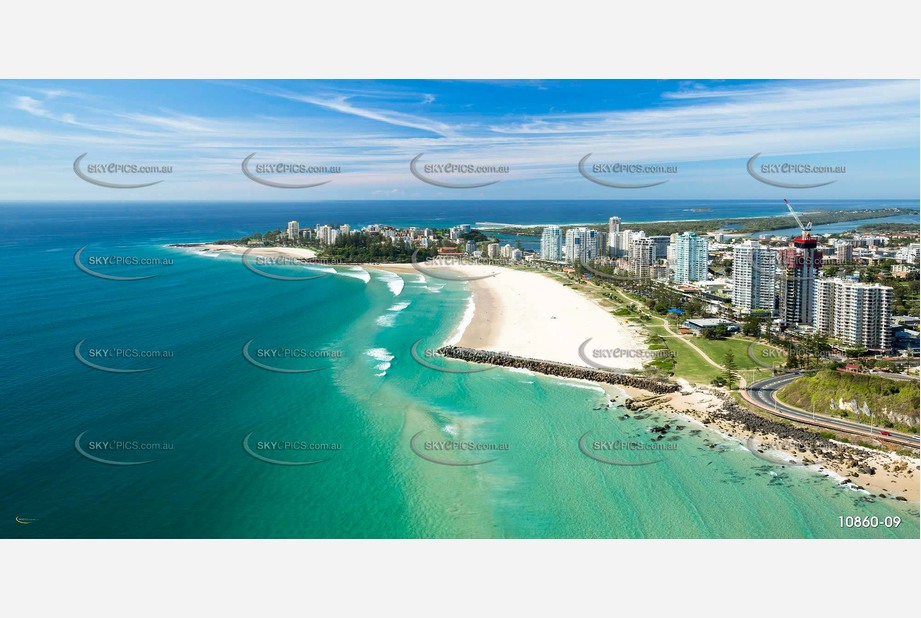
372,129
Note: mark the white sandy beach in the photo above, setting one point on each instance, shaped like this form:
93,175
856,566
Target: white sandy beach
291,252
529,314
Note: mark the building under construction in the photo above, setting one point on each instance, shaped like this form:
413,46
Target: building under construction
797,268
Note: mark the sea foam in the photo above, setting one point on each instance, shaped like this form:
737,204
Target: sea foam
356,272
383,356
464,323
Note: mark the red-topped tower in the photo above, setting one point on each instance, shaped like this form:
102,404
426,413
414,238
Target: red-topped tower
798,267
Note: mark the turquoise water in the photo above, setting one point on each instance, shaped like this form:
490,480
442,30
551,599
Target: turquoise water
369,398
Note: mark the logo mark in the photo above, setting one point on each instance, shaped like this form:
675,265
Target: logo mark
585,451
108,185
109,462
270,183
767,352
418,358
277,462
25,521
448,276
614,185
612,277
784,185
249,266
253,361
592,363
445,185
79,264
79,356
415,449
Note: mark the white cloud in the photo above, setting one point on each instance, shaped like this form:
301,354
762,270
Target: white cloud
37,108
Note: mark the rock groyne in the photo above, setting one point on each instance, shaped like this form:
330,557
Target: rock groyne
561,370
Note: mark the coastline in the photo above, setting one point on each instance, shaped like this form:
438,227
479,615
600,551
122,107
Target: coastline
505,317
494,225
297,253
892,476
529,315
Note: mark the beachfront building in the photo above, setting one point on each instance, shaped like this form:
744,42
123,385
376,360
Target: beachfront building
619,242
459,231
582,244
492,250
753,277
551,244
662,243
857,314
642,257
470,247
601,243
613,231
293,230
576,240
691,257
798,267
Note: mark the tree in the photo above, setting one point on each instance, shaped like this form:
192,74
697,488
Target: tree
751,327
730,373
693,307
856,351
817,347
885,365
715,332
792,358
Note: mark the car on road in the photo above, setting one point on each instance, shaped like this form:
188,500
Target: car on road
885,433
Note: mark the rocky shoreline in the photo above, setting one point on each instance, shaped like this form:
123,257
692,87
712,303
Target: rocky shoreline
857,465
882,475
561,370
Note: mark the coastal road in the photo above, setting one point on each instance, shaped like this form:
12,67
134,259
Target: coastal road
763,394
894,376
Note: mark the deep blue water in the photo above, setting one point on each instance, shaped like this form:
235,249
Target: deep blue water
25,223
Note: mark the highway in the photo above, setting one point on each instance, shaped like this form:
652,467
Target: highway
762,394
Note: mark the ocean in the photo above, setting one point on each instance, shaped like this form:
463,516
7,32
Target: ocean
378,436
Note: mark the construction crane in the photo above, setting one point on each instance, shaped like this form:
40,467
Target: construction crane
805,229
